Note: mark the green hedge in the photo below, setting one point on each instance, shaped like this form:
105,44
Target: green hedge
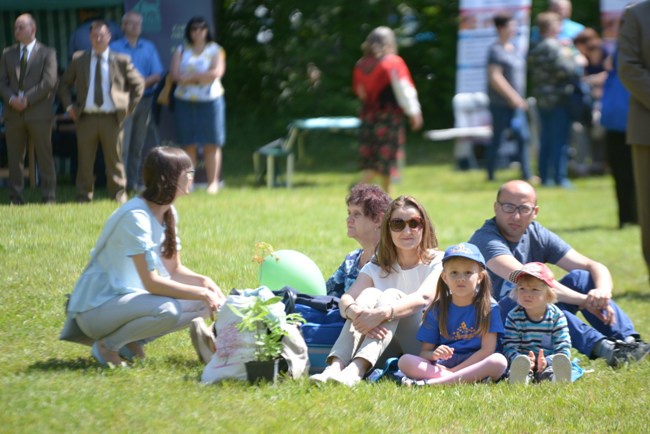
322,40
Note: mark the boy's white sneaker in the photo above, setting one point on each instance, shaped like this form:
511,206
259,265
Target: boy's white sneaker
519,369
561,369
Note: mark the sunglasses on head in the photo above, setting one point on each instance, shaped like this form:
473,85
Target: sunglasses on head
398,225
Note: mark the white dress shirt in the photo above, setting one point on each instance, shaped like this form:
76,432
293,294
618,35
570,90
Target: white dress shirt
108,106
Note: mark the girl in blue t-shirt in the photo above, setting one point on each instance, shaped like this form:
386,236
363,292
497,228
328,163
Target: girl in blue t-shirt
459,330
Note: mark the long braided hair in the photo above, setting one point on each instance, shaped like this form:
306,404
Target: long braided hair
163,167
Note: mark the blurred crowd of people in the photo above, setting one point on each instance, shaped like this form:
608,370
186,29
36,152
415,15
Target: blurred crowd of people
106,93
580,104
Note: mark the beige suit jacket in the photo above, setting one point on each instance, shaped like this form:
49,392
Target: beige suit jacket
40,81
127,85
634,69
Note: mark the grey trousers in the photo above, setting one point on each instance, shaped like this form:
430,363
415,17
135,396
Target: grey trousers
351,344
138,317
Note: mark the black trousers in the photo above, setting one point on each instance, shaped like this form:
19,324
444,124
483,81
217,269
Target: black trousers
619,156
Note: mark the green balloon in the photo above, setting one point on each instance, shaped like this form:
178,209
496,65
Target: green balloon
292,268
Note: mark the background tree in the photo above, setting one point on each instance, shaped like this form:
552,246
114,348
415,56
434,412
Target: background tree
295,58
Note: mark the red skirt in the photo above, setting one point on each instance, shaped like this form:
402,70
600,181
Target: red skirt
381,139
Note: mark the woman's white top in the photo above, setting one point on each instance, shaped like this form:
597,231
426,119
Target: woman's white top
192,62
408,281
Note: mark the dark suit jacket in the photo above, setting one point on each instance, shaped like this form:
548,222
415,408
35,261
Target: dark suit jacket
127,85
634,70
40,81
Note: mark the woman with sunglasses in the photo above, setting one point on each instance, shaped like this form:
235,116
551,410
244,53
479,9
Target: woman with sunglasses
197,67
389,295
135,288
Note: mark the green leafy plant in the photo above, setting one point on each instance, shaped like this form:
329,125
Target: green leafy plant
266,327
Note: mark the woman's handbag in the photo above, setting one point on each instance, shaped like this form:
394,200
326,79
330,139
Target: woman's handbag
165,95
71,331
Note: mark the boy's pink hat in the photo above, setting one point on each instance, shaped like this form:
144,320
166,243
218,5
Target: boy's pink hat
535,269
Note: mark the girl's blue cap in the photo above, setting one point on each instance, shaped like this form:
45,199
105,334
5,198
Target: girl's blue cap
464,250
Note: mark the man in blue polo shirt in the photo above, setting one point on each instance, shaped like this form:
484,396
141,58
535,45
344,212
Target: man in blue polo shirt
146,60
512,238
569,30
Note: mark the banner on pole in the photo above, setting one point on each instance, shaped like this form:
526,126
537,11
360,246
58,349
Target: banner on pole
477,32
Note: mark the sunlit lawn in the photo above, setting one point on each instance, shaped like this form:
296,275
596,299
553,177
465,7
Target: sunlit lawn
48,385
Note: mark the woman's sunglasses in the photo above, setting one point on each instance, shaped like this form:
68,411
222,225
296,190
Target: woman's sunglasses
398,225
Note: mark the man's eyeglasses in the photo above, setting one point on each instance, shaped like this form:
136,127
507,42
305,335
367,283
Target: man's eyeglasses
510,208
398,225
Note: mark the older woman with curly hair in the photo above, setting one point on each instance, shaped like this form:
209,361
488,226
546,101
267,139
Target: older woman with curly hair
366,207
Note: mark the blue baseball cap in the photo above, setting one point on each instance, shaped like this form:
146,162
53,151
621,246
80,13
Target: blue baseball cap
464,250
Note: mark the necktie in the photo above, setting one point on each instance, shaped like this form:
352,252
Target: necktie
98,96
23,70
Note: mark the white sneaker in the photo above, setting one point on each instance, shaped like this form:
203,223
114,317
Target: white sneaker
346,378
519,370
561,369
324,376
203,339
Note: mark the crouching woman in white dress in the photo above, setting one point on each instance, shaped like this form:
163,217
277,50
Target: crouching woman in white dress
135,288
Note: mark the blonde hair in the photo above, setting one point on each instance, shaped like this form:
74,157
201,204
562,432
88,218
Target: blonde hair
549,293
379,43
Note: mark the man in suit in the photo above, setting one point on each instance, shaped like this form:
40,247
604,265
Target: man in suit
634,72
108,89
28,78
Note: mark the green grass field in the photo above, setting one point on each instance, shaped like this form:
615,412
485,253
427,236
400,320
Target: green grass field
51,386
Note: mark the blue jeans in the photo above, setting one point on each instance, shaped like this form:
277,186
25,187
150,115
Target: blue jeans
554,144
504,118
583,336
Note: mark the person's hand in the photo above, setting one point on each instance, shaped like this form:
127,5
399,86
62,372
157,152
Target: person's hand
581,60
213,300
18,103
379,332
189,78
520,103
416,121
541,361
606,315
531,357
366,320
597,298
209,284
72,112
442,352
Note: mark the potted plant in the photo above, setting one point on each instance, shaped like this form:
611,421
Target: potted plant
268,330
